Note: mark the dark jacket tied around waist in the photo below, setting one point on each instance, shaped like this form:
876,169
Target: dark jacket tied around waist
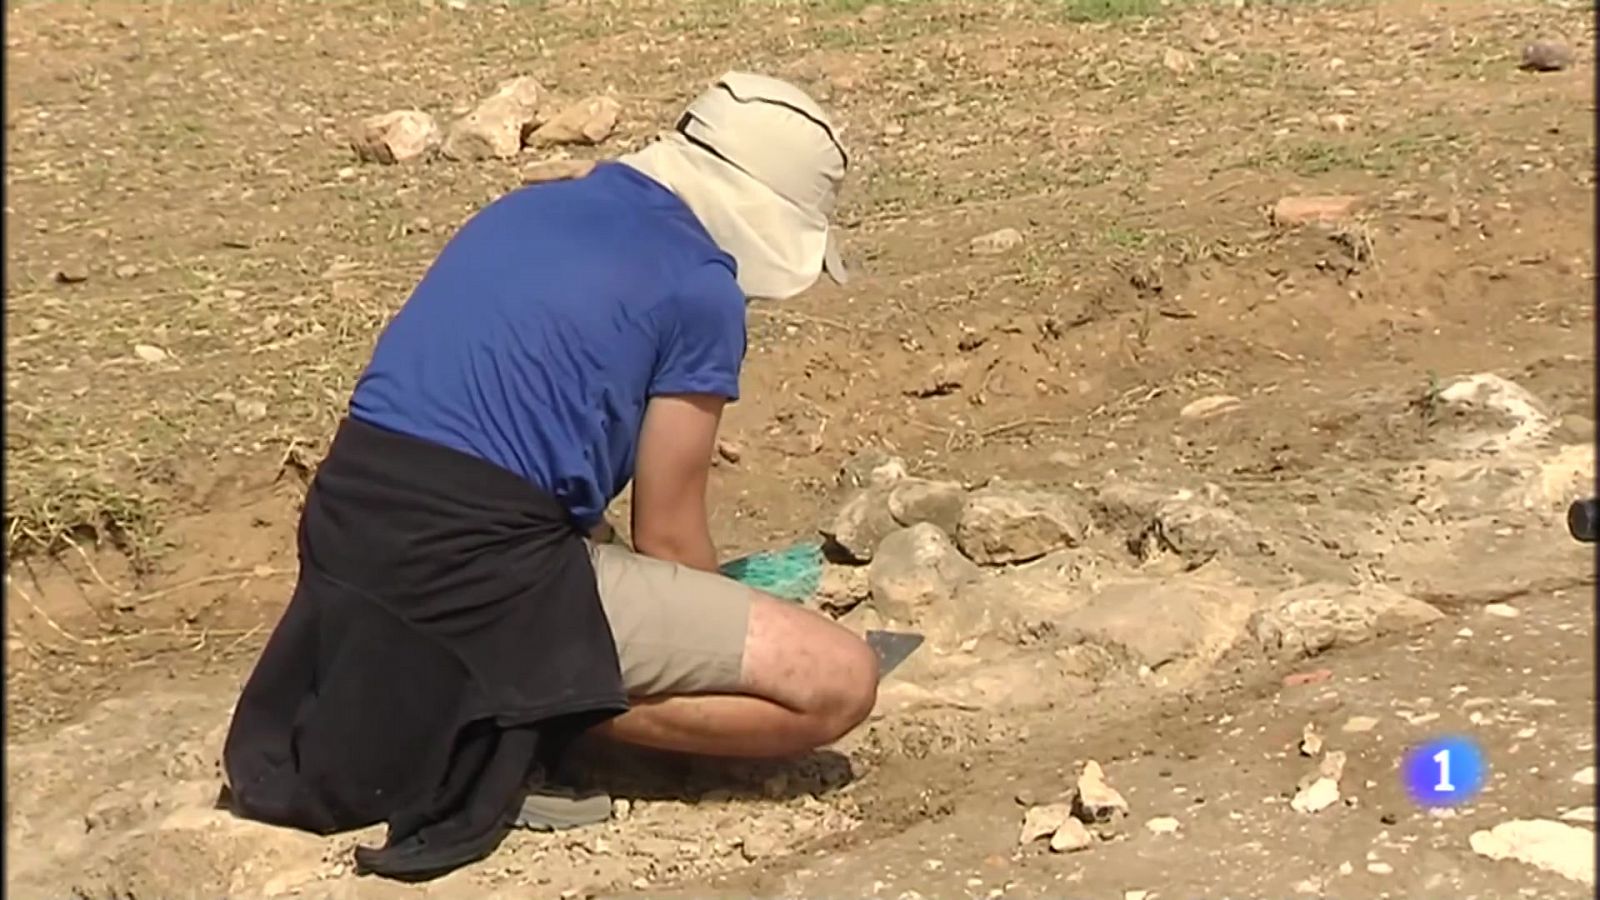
444,642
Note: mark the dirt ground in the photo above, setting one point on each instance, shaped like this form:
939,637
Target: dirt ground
198,265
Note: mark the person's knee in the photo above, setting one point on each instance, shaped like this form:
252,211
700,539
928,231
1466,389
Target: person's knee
851,691
811,665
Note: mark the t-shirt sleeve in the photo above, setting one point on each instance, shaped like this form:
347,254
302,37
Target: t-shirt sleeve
703,336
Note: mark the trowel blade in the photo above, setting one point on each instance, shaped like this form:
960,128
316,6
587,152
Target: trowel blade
892,648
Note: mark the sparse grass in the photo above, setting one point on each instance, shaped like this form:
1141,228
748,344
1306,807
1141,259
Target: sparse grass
1124,238
47,517
1427,403
1358,242
1381,156
1311,158
1114,10
1108,10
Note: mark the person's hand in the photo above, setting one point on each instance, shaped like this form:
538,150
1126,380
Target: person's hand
605,533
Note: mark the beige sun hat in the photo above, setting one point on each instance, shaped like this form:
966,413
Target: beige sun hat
760,164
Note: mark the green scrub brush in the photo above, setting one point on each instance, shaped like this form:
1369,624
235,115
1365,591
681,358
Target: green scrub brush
792,573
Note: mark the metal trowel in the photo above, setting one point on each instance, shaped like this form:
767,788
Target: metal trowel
892,647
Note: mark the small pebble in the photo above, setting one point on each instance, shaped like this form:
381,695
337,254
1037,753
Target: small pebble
1162,825
72,273
1310,741
1359,724
149,354
1546,56
997,242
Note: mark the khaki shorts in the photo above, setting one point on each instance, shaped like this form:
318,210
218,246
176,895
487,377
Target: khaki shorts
678,630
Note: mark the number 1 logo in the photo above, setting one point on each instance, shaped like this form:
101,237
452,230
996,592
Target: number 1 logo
1444,771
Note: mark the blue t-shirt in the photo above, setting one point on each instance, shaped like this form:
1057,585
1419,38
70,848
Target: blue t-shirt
546,324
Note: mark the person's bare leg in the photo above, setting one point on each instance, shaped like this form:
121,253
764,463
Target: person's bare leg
806,682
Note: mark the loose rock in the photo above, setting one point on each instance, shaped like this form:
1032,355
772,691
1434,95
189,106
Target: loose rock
250,410
395,137
1043,821
72,273
1546,56
1301,679
1000,526
873,14
760,845
1071,837
1584,776
841,589
1096,802
589,121
1316,797
997,242
1292,211
1360,724
149,353
1206,407
1309,620
1579,814
1337,122
913,501
1332,765
859,526
1320,789
1506,401
1162,825
871,469
1557,847
1196,530
1130,506
1177,62
1310,741
914,568
557,170
498,126
942,380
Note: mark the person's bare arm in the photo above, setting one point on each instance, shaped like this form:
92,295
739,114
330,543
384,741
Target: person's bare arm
676,443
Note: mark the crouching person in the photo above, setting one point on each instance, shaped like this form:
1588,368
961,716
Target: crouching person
452,630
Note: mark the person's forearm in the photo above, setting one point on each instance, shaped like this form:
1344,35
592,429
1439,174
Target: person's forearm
694,550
